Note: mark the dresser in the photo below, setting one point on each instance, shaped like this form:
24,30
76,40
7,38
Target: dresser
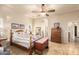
56,35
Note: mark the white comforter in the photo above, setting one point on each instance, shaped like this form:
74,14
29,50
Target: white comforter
21,39
24,40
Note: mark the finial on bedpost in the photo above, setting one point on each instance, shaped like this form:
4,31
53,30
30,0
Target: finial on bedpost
11,37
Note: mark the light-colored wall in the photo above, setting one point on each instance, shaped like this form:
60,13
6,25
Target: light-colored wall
64,19
20,20
40,22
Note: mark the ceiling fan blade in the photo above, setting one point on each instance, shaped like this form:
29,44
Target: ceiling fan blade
38,11
53,10
35,11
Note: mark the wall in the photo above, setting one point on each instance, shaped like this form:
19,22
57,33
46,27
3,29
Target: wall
19,20
64,19
43,23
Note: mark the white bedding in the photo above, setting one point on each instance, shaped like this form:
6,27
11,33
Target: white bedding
22,43
23,39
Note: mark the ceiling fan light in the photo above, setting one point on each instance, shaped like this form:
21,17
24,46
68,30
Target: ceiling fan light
43,14
51,10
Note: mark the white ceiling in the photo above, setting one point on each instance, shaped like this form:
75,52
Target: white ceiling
25,9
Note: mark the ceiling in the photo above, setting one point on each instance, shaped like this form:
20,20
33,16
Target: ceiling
26,9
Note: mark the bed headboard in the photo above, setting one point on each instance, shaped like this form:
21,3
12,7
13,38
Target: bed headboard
19,31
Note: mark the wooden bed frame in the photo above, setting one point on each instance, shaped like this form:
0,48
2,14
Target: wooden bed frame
37,46
30,50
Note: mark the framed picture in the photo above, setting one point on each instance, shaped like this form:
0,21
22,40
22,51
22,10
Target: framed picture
15,26
38,30
21,26
57,25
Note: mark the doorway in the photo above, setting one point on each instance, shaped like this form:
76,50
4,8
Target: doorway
75,31
72,31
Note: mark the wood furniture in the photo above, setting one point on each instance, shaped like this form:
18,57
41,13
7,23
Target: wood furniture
2,39
29,50
41,45
56,35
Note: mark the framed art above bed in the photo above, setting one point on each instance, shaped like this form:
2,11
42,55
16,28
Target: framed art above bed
21,26
14,26
17,26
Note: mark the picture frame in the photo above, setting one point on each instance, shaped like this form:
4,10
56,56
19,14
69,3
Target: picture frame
14,26
57,25
21,26
17,26
38,30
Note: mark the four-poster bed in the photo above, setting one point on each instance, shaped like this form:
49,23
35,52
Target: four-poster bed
20,38
23,39
22,43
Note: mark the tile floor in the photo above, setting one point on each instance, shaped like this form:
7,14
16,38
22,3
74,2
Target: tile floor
54,49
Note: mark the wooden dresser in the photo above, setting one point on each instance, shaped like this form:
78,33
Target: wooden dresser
56,35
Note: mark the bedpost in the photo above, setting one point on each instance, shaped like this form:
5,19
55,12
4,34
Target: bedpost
30,50
10,37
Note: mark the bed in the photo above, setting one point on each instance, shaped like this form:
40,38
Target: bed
21,37
23,40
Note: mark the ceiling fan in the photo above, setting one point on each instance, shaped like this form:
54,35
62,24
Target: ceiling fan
44,10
